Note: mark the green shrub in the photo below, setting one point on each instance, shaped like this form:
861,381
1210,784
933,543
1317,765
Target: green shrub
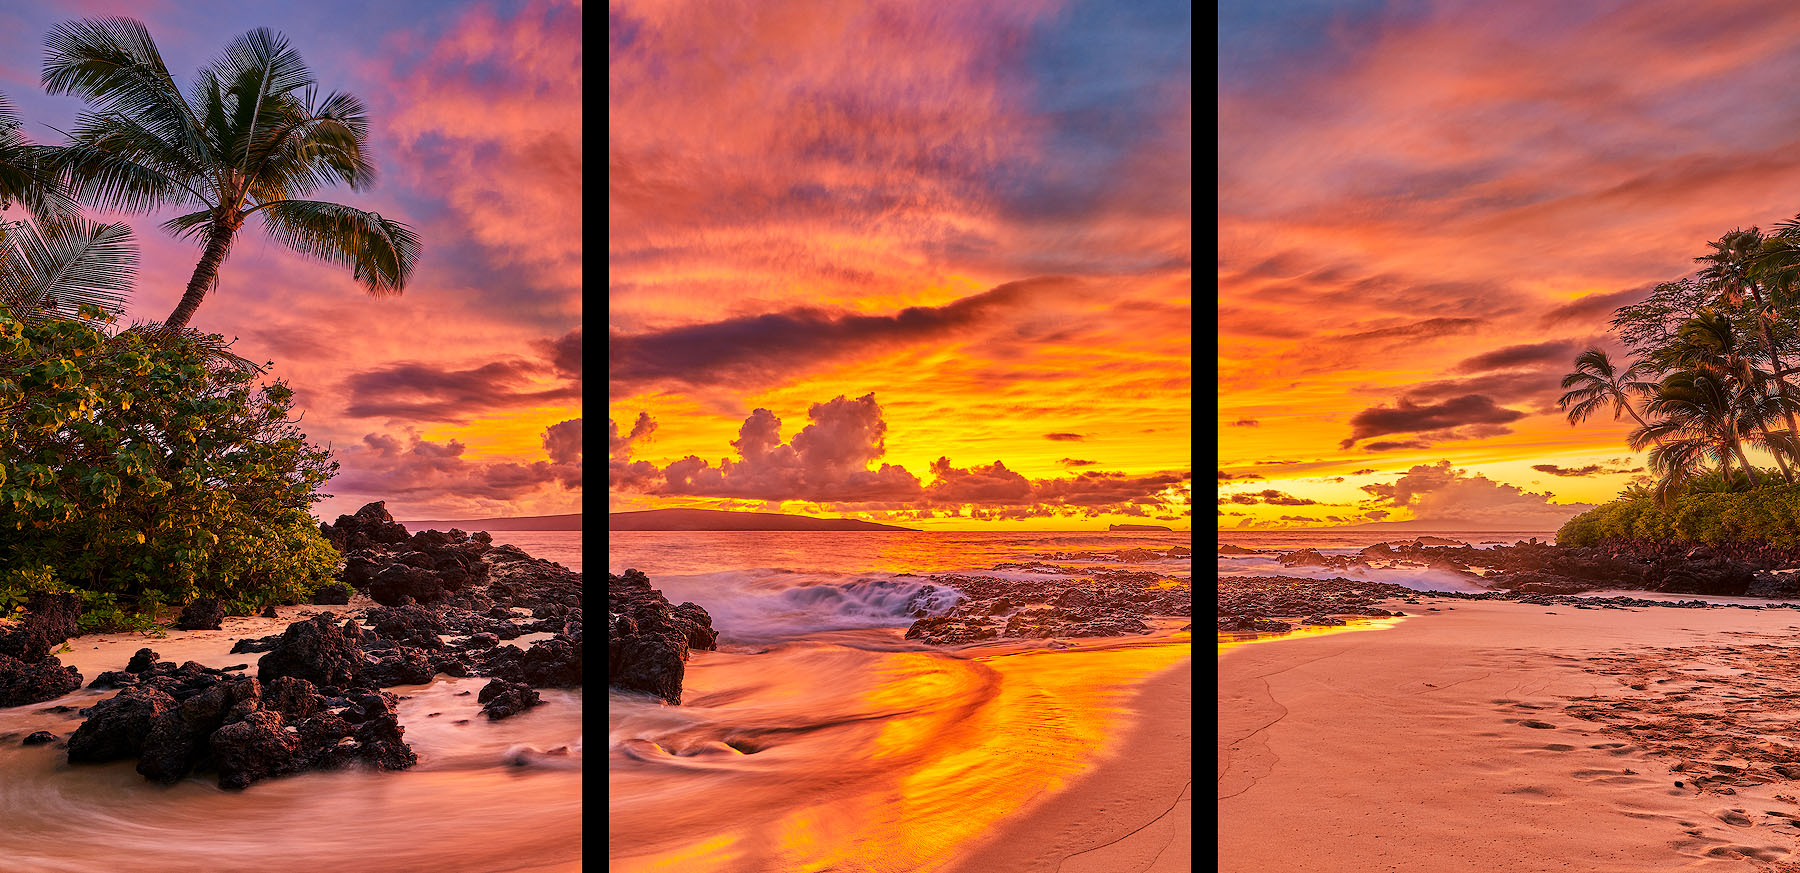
140,473
1770,514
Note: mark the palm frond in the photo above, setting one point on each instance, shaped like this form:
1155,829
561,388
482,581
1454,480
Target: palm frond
54,270
113,63
307,146
111,182
381,252
192,225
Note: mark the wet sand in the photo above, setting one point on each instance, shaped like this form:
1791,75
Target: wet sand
1502,736
467,806
859,751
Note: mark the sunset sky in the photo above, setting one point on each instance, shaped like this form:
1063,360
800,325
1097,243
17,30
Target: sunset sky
461,398
915,262
1427,209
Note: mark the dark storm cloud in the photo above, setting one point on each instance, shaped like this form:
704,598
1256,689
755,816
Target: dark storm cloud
1396,445
421,392
1269,496
764,349
1595,308
1475,412
1532,355
1589,470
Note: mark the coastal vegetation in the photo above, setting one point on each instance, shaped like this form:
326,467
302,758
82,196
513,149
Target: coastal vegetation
1707,378
140,472
144,467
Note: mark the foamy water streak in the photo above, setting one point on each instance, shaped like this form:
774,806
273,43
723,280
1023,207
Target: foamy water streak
769,603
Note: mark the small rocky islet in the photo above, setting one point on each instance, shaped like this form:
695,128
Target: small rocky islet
315,701
650,640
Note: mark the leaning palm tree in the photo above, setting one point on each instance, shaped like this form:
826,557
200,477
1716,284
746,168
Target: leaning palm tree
1729,270
249,137
1597,382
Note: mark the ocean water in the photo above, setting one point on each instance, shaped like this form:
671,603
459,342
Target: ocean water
1349,542
818,738
759,585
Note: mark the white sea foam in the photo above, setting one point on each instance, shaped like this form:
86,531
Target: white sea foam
763,604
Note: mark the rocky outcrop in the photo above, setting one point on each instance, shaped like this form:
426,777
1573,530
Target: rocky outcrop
315,700
317,650
370,527
502,699
116,727
331,594
50,619
203,613
28,672
648,640
1099,603
179,720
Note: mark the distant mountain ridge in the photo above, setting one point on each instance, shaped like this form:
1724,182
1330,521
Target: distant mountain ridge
716,519
571,521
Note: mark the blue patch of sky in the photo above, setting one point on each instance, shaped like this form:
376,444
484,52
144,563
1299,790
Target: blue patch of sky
1102,76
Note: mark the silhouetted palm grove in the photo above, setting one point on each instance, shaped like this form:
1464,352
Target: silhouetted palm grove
1707,370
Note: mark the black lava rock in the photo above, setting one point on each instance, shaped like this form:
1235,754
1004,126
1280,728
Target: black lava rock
204,613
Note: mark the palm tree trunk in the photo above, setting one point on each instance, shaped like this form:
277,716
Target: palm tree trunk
1640,420
1738,447
1780,383
218,245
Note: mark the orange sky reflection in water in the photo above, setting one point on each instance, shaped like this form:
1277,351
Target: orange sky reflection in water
1228,641
947,748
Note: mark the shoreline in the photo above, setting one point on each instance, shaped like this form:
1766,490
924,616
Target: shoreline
1148,822
959,759
1513,736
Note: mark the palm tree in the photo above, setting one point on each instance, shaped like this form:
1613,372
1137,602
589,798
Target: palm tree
1710,343
1698,414
1597,382
249,137
1729,270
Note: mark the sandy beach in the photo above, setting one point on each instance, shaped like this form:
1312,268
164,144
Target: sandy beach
1000,757
1504,736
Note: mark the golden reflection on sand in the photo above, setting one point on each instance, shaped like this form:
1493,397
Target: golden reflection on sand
954,745
1229,641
